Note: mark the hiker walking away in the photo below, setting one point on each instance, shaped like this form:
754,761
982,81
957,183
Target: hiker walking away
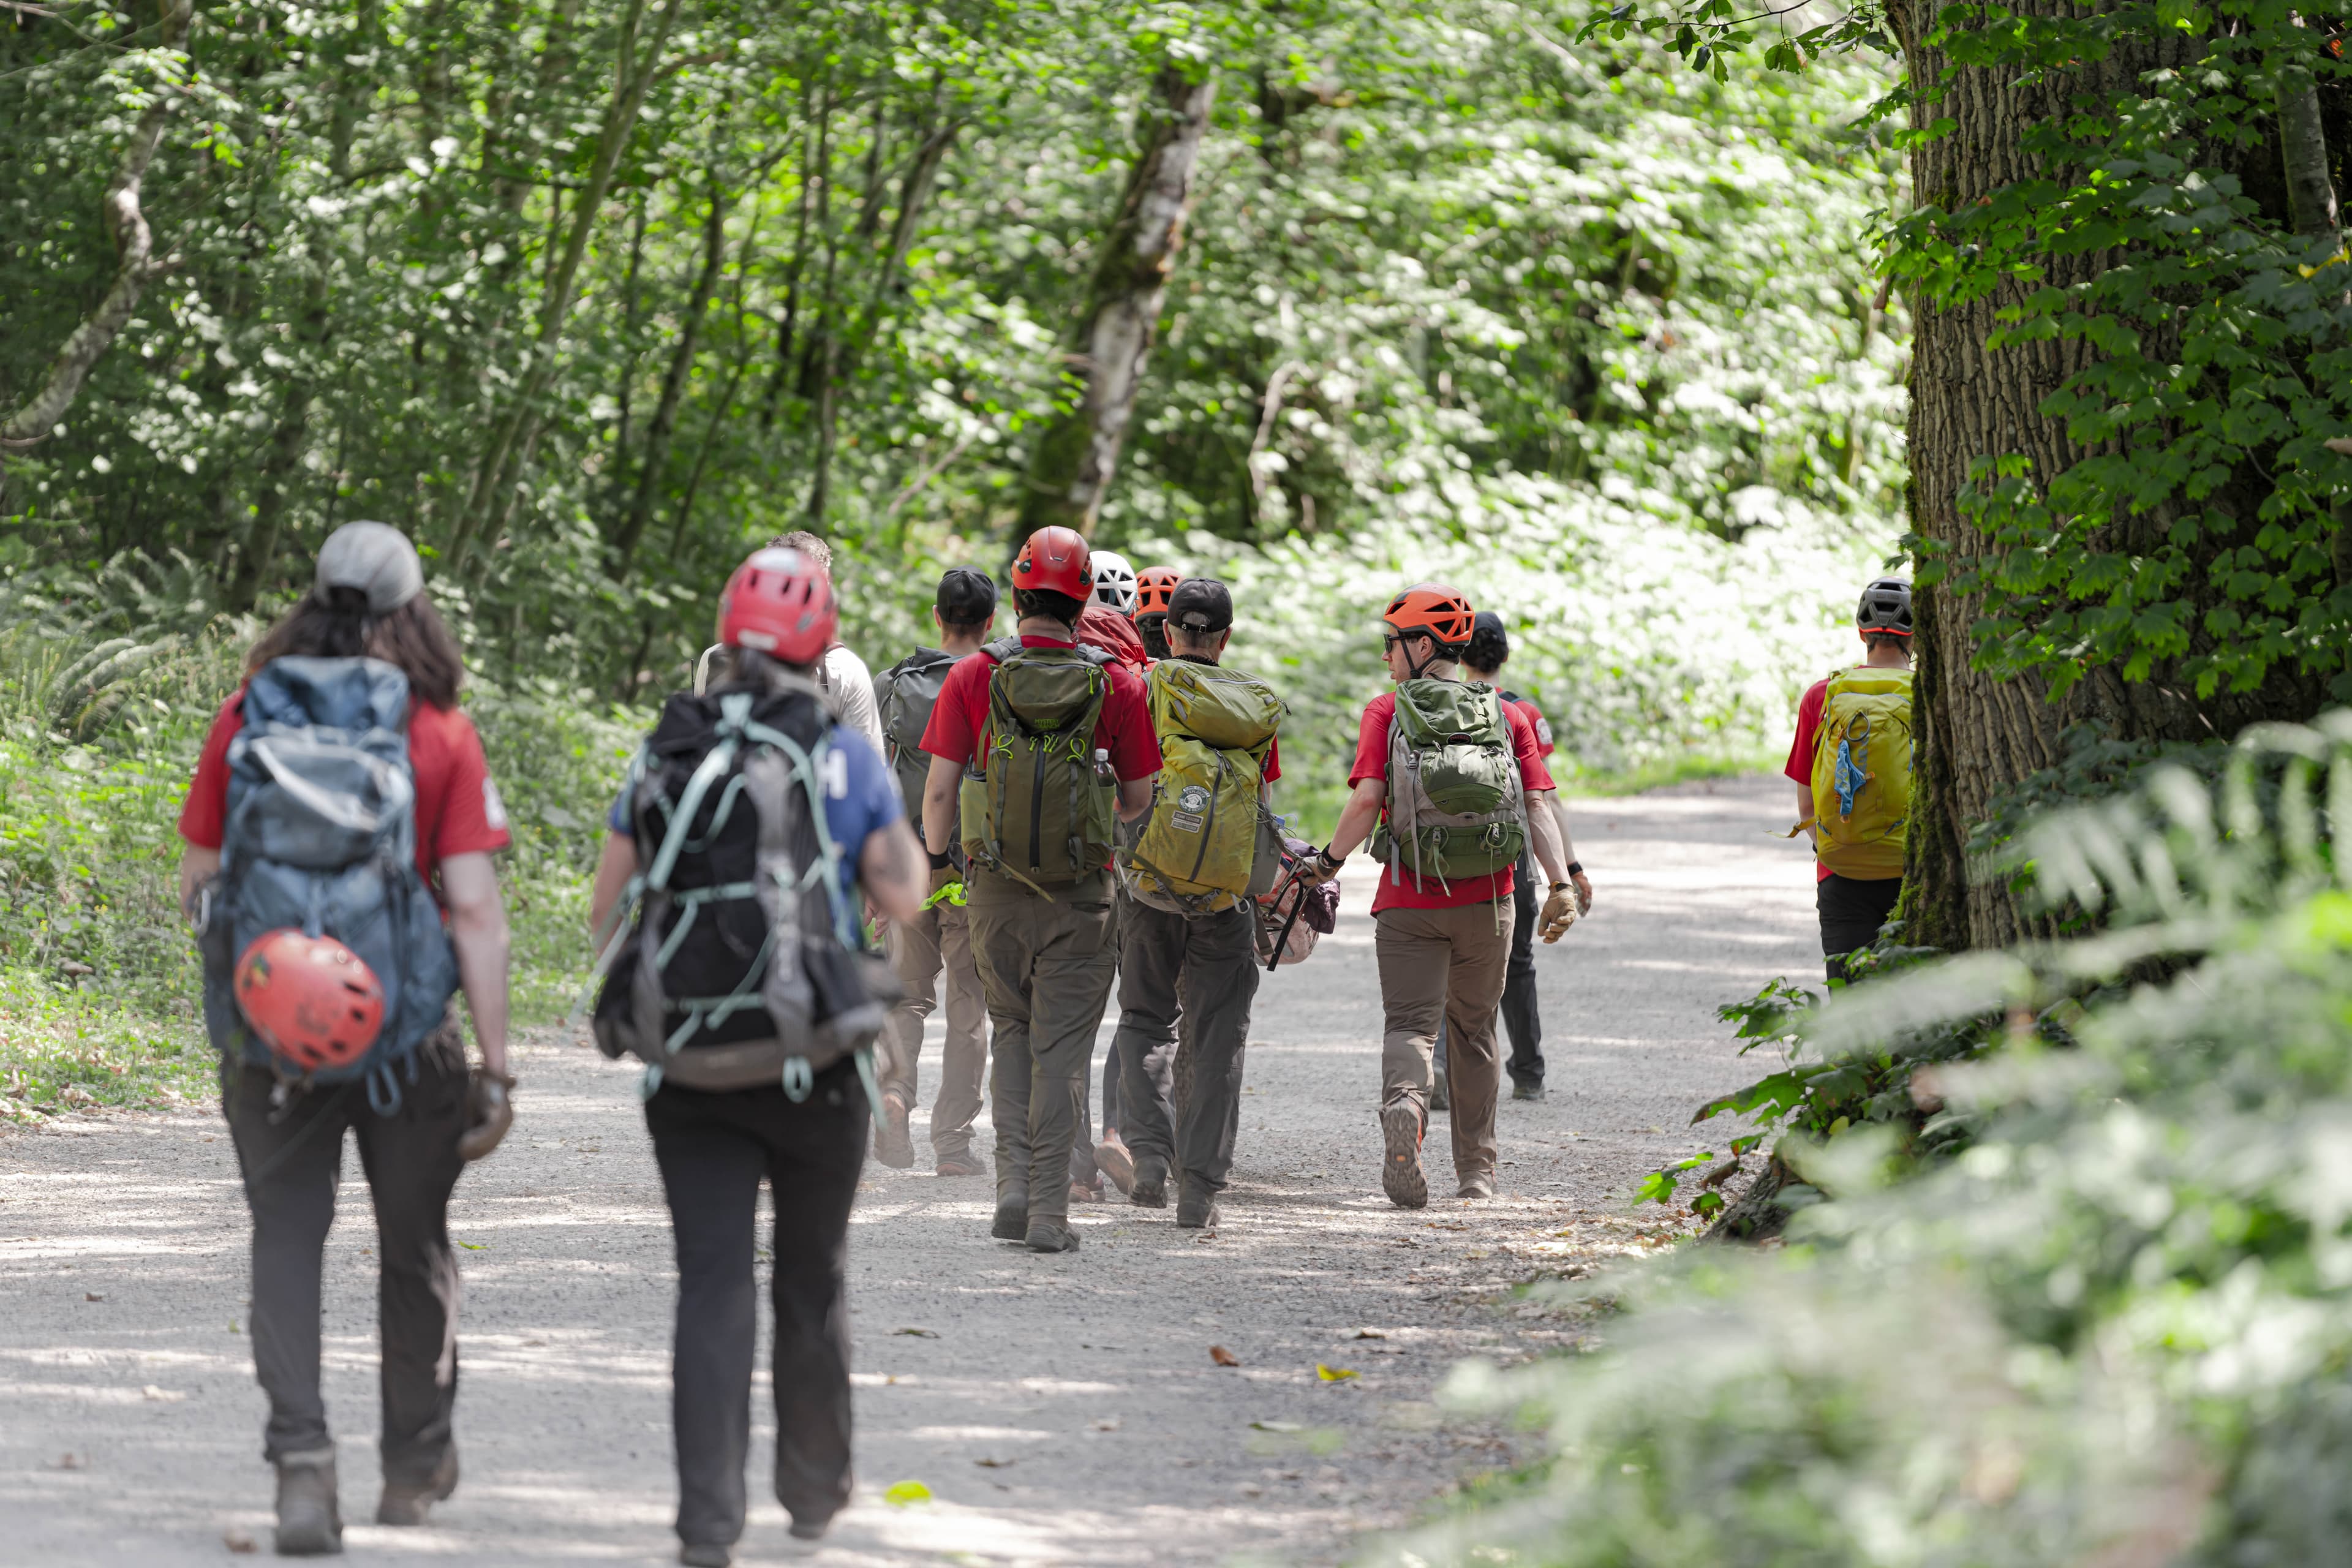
1188,927
1482,665
749,823
1452,779
1153,587
840,674
1037,743
340,805
1115,583
1852,764
938,938
1101,627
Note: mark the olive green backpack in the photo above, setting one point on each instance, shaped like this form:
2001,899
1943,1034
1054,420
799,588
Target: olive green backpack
1456,807
1207,843
1037,806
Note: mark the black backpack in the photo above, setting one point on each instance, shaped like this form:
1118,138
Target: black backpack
743,963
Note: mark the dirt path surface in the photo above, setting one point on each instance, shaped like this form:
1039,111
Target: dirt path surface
1060,1410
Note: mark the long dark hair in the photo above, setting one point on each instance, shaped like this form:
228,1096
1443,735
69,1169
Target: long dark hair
336,624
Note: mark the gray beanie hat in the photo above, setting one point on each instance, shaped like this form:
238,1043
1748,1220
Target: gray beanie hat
375,558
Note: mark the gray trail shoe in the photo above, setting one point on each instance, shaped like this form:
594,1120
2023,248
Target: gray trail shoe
1400,1174
1527,1091
894,1143
1151,1188
310,1517
1197,1210
1012,1221
407,1505
705,1555
1049,1233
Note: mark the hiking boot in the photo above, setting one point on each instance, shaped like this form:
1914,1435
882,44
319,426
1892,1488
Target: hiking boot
1082,1194
894,1145
1051,1232
1011,1214
960,1166
1151,1188
1477,1187
1112,1160
1441,1093
1400,1173
408,1505
808,1526
309,1519
1528,1090
706,1554
1197,1210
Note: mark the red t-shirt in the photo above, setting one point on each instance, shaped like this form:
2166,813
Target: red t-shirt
457,807
1545,744
1801,754
1398,891
1123,728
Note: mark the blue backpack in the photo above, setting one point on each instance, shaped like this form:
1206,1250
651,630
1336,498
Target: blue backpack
321,837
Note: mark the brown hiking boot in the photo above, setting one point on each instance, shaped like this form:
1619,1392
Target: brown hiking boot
1112,1159
960,1166
310,1516
408,1505
894,1145
1400,1174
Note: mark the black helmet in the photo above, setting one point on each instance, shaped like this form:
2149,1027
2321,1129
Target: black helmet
1885,608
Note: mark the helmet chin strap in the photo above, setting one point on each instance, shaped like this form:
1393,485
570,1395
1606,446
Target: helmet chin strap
1417,667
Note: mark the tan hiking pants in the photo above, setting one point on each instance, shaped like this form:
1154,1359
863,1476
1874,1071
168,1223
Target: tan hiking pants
1448,964
940,938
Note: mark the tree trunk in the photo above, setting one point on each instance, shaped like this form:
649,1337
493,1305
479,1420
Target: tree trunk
663,425
1070,468
1978,734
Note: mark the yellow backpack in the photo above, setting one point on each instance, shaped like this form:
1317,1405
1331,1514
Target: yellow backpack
1862,773
1206,844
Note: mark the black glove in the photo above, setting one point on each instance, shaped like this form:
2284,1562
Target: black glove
488,1114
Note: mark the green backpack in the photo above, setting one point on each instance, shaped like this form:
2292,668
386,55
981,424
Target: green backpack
903,695
1037,805
1456,807
1206,844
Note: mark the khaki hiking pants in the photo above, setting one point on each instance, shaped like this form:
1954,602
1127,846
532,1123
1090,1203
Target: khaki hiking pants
1047,965
940,938
1446,965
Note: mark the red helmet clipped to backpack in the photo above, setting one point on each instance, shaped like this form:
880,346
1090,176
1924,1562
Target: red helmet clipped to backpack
311,1000
779,602
1056,559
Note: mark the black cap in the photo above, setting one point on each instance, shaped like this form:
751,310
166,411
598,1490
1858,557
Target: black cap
1201,605
967,596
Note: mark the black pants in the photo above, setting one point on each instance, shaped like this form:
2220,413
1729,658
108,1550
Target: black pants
291,1156
1521,1019
1207,969
713,1150
1852,910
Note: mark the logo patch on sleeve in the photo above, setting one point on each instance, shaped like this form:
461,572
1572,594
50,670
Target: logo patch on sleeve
494,810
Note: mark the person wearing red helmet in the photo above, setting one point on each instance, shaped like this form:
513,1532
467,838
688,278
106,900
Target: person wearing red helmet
777,616
1155,587
287,1094
1035,745
1454,779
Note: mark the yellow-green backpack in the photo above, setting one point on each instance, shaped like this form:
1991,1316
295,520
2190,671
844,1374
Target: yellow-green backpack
1205,845
1862,773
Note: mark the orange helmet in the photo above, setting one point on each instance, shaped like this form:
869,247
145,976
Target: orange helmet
779,601
1434,610
1055,559
1154,586
311,1000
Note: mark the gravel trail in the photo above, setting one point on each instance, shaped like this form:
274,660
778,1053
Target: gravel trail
1060,1410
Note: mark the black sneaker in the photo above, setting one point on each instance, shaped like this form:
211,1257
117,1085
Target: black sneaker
1197,1210
1151,1189
705,1555
1400,1174
1011,1215
1527,1090
1050,1234
310,1516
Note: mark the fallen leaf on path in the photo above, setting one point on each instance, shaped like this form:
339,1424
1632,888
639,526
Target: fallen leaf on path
165,1395
93,1295
1222,1356
995,1464
1109,1424
919,1333
69,1461
1332,1373
906,1494
475,1245
237,1541
1369,1334
1275,1426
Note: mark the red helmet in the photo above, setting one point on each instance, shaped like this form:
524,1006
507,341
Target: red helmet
1154,586
1434,610
1055,559
311,1000
780,601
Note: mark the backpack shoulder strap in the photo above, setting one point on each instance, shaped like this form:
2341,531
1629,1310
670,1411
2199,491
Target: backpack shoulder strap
1001,649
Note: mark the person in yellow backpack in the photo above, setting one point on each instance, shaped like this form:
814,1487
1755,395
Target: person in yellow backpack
1188,929
1852,765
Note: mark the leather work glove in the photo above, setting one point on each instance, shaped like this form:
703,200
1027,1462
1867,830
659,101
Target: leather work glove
488,1114
1559,913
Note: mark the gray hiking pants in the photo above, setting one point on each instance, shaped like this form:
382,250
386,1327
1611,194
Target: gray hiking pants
1047,966
1206,969
1448,966
937,939
291,1156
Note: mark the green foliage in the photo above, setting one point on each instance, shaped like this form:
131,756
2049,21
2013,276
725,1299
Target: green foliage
2115,1328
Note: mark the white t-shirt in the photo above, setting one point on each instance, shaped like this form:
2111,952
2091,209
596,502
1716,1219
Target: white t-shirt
845,674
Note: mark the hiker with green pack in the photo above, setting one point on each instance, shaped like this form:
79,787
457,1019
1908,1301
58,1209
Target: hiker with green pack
1449,783
1188,928
1038,745
1852,765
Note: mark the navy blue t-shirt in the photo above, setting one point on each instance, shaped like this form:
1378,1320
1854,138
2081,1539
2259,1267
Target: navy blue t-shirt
861,798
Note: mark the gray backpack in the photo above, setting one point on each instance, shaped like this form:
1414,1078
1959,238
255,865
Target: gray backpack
904,694
321,837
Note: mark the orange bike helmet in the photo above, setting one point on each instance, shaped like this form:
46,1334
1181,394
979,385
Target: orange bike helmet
311,1000
1154,586
780,601
1056,559
1434,610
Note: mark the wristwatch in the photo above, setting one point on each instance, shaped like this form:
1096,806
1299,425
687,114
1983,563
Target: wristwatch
938,862
1575,868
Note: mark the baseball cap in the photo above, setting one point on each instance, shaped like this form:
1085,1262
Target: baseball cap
374,558
967,596
1201,605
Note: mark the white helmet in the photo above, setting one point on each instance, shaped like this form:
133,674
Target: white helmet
1114,582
